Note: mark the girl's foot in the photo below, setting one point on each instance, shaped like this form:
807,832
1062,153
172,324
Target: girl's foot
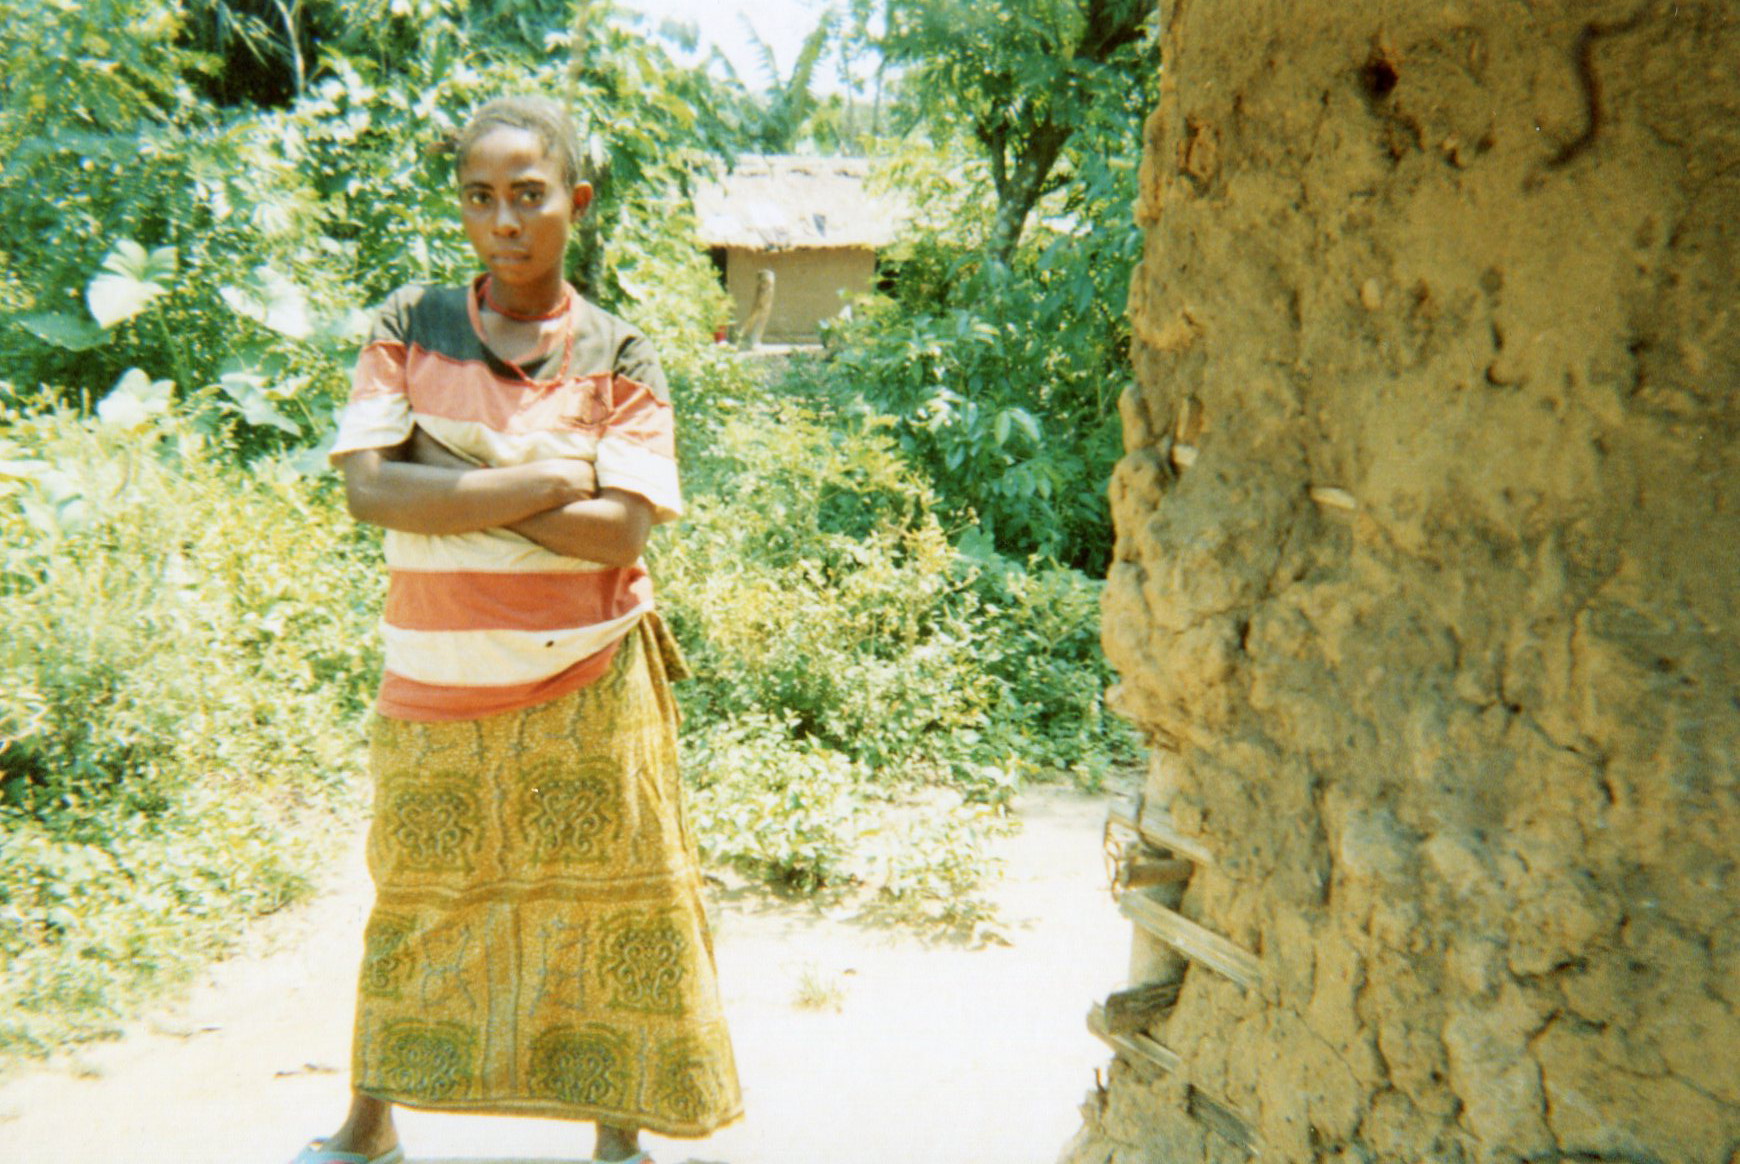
319,1153
616,1144
367,1131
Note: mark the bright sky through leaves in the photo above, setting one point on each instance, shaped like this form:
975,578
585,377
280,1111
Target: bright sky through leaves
781,24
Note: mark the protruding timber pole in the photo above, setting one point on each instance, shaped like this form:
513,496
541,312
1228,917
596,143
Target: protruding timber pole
759,313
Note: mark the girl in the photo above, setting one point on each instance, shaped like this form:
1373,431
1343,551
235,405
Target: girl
537,944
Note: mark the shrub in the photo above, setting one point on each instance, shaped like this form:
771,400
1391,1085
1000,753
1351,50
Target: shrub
775,806
929,859
853,662
187,649
1042,651
817,587
817,584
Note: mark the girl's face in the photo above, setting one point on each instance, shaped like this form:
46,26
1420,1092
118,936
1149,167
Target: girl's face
517,207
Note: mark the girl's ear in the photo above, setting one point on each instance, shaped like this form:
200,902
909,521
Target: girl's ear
582,197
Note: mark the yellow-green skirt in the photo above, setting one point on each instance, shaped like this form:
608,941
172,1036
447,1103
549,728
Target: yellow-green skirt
537,945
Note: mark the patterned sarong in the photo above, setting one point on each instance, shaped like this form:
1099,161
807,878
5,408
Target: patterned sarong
537,945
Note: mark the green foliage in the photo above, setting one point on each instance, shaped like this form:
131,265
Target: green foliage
96,66
1003,401
649,127
670,289
789,104
773,804
1046,663
1022,78
131,279
187,651
283,225
929,859
184,253
268,52
90,924
816,583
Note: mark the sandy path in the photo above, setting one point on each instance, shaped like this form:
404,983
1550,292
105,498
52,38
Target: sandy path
935,1055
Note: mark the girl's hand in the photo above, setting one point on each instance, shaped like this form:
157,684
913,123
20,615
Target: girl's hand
575,480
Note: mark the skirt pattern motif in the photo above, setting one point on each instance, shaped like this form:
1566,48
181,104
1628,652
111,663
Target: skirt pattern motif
538,944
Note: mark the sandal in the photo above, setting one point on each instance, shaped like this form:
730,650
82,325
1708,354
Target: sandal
315,1153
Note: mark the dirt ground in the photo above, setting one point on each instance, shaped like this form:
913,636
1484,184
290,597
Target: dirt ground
930,1053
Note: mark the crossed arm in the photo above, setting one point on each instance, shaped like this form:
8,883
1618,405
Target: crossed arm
421,487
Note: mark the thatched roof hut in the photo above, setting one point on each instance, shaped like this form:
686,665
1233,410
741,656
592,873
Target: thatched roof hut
814,222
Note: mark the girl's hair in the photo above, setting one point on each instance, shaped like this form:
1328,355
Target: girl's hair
536,115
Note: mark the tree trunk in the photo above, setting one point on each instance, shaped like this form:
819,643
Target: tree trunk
291,16
1019,186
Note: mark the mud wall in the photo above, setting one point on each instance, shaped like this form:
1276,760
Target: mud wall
1425,584
810,285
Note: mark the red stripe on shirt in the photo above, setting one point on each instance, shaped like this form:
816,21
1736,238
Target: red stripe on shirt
421,600
380,370
639,416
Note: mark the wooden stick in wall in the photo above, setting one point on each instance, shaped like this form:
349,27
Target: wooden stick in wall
1136,1009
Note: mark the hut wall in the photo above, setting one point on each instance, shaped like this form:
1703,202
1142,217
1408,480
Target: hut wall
808,285
1425,581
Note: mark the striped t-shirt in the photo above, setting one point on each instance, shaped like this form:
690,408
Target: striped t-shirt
486,622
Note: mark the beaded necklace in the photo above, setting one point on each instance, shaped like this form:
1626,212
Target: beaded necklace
565,311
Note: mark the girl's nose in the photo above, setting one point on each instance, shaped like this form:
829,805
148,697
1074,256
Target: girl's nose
506,221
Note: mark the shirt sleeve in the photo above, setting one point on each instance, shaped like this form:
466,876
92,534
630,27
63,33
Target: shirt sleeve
378,413
637,451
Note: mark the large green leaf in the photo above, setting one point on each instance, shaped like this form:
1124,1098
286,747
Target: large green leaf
64,331
312,461
271,300
254,401
131,279
135,400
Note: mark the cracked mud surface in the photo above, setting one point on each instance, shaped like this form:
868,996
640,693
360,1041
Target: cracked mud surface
1425,585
